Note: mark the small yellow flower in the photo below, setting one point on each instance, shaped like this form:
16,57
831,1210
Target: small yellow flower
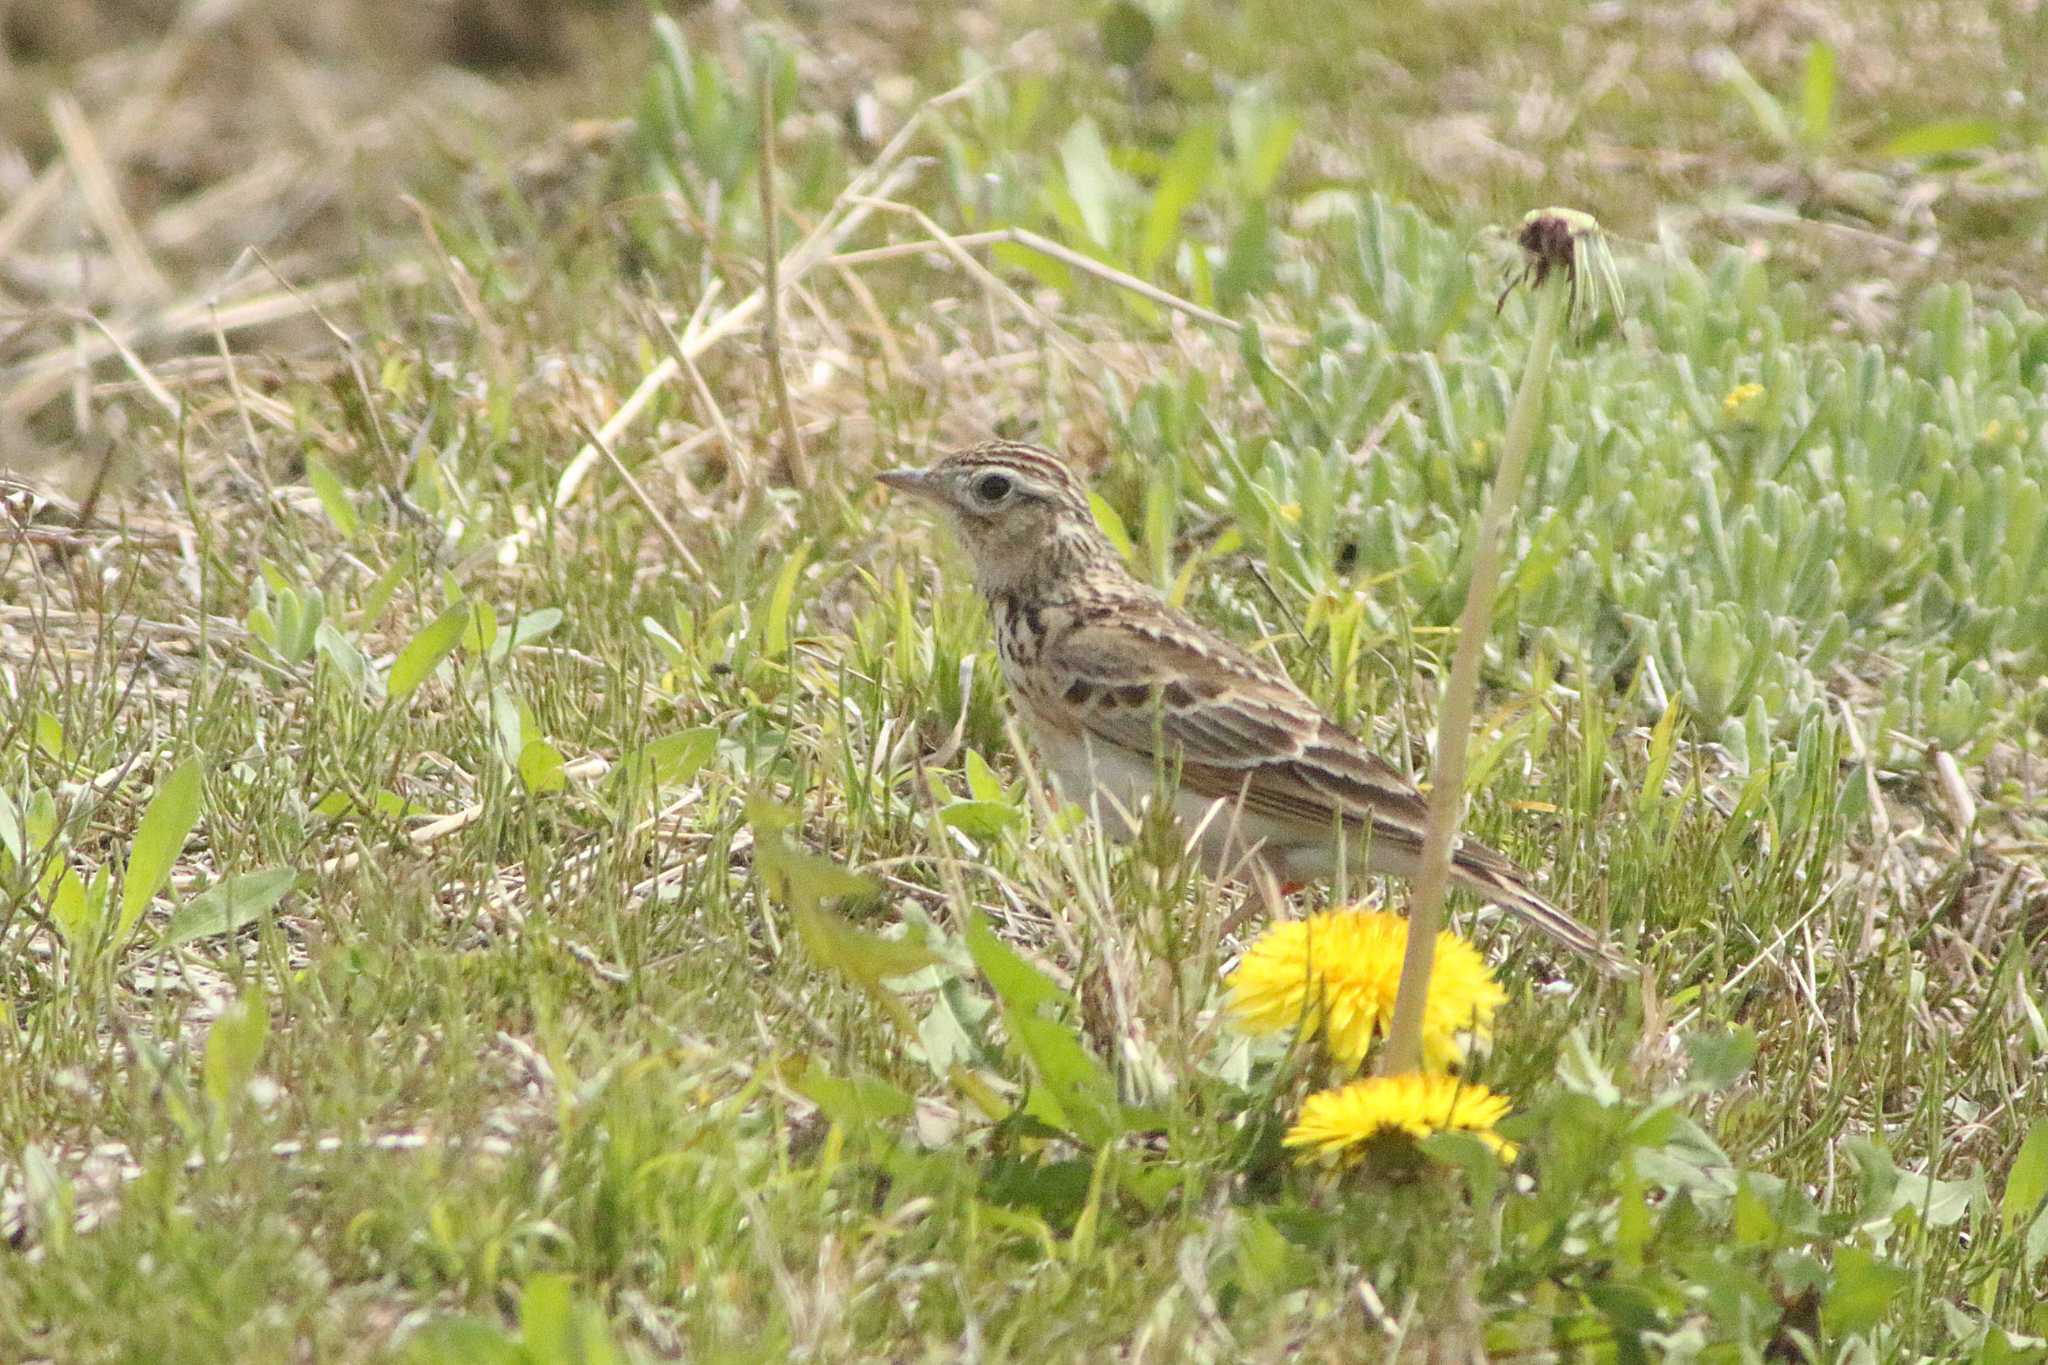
1338,973
1336,1125
1740,397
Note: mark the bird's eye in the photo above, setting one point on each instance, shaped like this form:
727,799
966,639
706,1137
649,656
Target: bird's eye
992,487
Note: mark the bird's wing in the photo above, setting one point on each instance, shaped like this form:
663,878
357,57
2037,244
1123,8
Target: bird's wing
1154,682
1151,681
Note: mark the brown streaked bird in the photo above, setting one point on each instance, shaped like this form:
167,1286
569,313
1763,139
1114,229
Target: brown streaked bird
1117,689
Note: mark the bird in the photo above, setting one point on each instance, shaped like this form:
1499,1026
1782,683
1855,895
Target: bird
1125,695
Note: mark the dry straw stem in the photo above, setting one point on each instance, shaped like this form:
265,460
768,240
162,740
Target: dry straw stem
1403,1052
48,374
102,200
1045,246
647,504
882,178
586,769
993,286
793,458
143,106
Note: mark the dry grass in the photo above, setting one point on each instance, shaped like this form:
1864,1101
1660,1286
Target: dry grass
518,1030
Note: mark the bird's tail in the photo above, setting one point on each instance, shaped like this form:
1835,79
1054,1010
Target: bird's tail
1479,869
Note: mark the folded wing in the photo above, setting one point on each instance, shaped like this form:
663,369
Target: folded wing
1155,683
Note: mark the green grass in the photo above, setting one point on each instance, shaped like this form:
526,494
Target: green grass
691,1052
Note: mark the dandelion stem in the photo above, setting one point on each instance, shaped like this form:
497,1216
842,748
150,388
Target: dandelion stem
793,459
1403,1052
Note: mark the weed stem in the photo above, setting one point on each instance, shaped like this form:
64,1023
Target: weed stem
1403,1052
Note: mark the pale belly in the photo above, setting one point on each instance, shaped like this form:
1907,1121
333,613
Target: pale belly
1115,786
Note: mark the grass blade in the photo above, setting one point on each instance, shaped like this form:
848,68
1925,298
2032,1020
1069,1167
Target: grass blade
161,836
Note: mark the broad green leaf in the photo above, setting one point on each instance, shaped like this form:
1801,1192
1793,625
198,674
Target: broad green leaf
981,820
674,759
298,619
532,626
1467,1154
335,806
1864,1288
50,735
166,824
1091,180
775,629
658,633
1943,137
1763,105
855,1101
342,655
1580,1072
423,653
1249,262
508,724
951,1028
1267,1262
982,782
1632,1227
10,829
227,905
1817,95
1053,274
540,767
39,821
799,878
464,1341
781,600
1186,174
1074,1075
802,878
392,806
481,632
865,958
380,593
70,909
1661,742
333,496
234,1045
1112,525
1937,1203
1264,141
544,1320
1021,985
2026,1184
1718,1059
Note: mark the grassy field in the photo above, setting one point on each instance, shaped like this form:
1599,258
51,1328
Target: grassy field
511,846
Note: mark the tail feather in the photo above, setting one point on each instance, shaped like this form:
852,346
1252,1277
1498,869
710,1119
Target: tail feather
1479,869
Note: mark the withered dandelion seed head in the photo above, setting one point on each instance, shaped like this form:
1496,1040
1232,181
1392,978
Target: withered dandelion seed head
1574,242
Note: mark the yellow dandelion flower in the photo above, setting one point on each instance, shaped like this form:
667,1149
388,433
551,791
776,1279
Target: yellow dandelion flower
1338,972
1336,1125
1740,397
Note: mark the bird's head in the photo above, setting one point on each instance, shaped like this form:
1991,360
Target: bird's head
1021,513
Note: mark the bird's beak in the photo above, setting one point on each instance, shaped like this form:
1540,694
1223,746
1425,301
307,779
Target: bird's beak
917,481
